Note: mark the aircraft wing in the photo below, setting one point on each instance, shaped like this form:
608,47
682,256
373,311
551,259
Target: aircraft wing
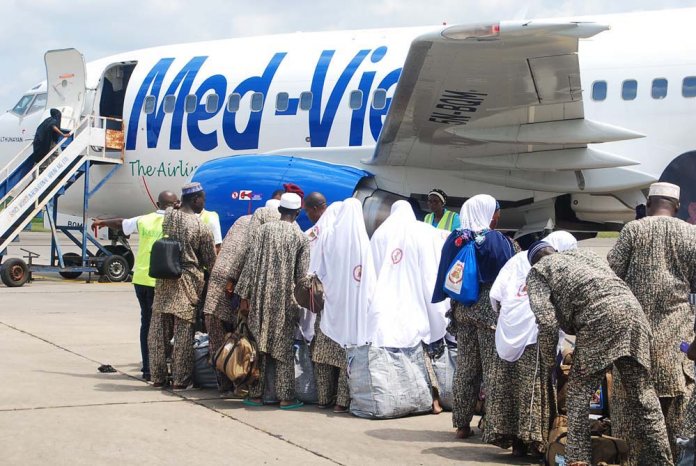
503,104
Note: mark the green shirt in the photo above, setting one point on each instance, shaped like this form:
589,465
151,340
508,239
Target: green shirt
149,231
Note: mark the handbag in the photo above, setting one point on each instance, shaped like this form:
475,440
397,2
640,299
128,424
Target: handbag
237,358
309,293
165,259
605,449
462,281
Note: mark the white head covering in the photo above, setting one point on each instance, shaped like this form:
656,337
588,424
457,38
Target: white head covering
665,190
399,316
477,212
517,325
431,241
347,273
290,201
561,241
401,214
315,234
273,203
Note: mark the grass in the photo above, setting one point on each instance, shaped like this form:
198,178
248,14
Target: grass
608,234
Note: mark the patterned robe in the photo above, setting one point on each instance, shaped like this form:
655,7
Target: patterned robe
217,302
181,296
656,257
260,217
278,258
578,292
330,367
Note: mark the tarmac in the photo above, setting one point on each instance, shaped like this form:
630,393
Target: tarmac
56,408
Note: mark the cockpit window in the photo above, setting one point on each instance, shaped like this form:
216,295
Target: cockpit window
23,104
39,104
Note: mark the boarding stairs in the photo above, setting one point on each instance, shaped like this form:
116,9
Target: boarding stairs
25,189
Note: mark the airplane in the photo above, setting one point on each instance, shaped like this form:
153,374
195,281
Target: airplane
565,121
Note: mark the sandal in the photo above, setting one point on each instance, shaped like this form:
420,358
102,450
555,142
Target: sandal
250,402
294,405
106,368
338,409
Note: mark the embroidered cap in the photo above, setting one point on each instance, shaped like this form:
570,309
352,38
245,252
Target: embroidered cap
535,248
664,190
291,201
273,203
190,188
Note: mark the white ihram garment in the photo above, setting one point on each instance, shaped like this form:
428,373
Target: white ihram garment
347,273
308,318
401,214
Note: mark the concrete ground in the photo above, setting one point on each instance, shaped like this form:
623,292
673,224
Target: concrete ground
56,408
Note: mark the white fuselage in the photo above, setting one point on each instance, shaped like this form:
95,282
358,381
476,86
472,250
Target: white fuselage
163,148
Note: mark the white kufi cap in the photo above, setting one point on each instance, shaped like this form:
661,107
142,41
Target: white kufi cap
273,203
664,190
291,201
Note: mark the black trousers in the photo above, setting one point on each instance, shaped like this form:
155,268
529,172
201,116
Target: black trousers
145,295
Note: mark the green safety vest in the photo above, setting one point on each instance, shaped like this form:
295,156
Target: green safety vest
149,231
445,221
209,217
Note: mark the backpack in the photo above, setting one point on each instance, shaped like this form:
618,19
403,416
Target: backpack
462,281
238,358
165,259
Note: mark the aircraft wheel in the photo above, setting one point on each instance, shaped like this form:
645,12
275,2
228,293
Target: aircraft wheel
14,272
71,259
121,251
115,268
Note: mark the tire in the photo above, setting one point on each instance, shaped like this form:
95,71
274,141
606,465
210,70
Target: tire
71,259
121,251
14,272
115,268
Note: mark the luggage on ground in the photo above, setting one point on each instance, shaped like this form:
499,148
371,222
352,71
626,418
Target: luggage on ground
388,383
444,365
203,372
237,358
605,449
305,384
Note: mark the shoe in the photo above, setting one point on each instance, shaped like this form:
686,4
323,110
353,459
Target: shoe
294,405
158,385
464,433
250,402
181,388
146,377
338,409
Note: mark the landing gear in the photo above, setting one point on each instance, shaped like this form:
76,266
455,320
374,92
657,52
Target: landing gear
115,268
14,272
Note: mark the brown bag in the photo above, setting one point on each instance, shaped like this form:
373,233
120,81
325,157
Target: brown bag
606,450
309,293
237,358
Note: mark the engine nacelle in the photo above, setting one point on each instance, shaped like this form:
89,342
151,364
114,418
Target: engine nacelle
237,185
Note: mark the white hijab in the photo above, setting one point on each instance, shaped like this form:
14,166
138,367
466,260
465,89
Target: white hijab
431,241
315,235
517,326
347,273
398,315
477,212
401,214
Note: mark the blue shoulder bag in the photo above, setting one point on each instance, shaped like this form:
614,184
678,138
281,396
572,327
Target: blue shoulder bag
462,281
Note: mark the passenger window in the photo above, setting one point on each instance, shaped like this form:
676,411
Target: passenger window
282,101
306,100
689,86
355,100
379,99
190,103
38,104
629,89
149,104
23,104
169,103
233,102
256,102
211,103
599,90
659,88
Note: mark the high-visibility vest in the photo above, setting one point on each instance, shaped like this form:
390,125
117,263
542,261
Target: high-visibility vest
445,222
149,231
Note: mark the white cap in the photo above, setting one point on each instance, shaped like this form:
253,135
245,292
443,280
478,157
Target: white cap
664,190
273,203
291,201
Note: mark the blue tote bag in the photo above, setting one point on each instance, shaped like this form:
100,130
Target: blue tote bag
462,281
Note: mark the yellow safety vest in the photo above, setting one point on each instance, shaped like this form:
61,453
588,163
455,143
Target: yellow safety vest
149,231
445,222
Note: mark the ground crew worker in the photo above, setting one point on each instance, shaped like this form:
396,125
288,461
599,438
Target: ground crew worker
149,228
212,219
440,217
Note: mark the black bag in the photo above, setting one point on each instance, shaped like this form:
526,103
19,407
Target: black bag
165,259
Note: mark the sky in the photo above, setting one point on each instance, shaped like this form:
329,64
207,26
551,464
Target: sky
100,28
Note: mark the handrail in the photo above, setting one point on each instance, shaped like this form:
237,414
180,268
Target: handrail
7,169
86,124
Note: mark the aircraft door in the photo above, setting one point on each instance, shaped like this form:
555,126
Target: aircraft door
65,79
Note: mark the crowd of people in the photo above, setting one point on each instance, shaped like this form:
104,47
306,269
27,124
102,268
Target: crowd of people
407,286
